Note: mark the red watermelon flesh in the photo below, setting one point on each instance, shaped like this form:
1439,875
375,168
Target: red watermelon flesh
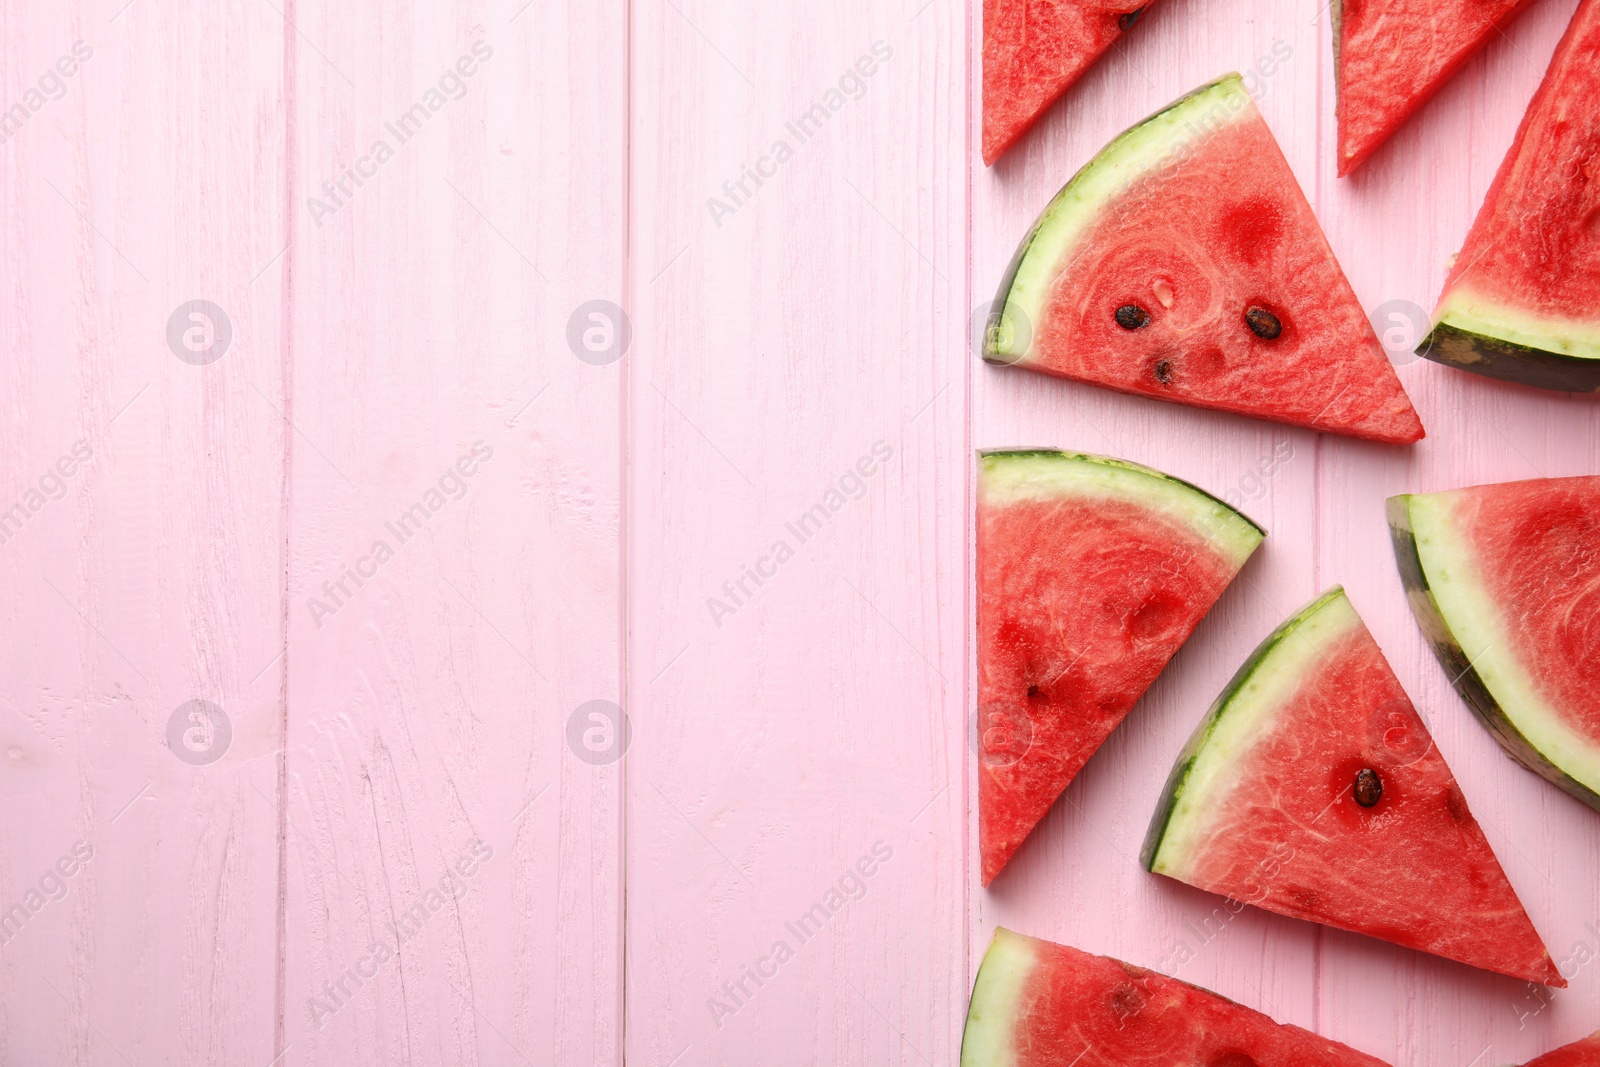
1033,50
1038,1004
1581,1053
1314,790
1392,56
1523,299
1193,224
1091,574
1506,582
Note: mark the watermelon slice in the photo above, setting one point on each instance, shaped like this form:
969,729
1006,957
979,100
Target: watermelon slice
1183,263
1391,56
1522,302
1503,580
1033,50
1313,789
1091,573
1039,1004
1581,1053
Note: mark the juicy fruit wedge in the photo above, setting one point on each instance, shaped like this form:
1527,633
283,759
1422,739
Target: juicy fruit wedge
1522,302
1392,56
1582,1053
1091,573
1039,1004
1313,789
1033,50
1503,580
1183,263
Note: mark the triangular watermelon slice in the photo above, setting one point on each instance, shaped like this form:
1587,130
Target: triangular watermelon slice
1039,1004
1184,263
1584,1052
1091,573
1503,580
1314,790
1033,50
1391,56
1522,302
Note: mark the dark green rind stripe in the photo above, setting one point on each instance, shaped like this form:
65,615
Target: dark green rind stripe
1202,734
1108,461
1002,296
1468,683
1509,362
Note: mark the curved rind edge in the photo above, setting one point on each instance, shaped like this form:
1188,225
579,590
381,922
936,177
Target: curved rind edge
1202,734
1448,651
986,1033
1128,465
1507,361
1002,297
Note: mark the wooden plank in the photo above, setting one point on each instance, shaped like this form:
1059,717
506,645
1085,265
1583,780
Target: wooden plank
797,518
140,882
453,864
1397,223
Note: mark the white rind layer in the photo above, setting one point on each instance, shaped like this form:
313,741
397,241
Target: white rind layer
1240,720
1472,313
1477,625
996,1000
1009,477
1135,155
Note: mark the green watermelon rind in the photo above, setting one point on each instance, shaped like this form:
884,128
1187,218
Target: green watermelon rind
1224,524
1136,153
1455,343
1469,682
986,1037
1198,742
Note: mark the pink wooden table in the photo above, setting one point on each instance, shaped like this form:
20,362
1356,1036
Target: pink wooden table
403,837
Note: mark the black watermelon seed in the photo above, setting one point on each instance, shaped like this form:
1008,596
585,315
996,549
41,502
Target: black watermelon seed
1035,693
1125,23
1369,787
1163,371
1263,323
1132,317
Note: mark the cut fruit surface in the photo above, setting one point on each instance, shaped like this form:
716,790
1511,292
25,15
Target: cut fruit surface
1184,263
1033,50
1504,582
1581,1053
1314,790
1039,1004
1091,573
1522,302
1392,56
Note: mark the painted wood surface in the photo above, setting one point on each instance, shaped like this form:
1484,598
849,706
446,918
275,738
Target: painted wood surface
423,842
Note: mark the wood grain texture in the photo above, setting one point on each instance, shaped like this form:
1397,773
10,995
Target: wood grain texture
801,374
787,728
148,576
454,870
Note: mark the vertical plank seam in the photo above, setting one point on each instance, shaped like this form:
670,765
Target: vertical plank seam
968,519
285,521
1319,170
624,539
